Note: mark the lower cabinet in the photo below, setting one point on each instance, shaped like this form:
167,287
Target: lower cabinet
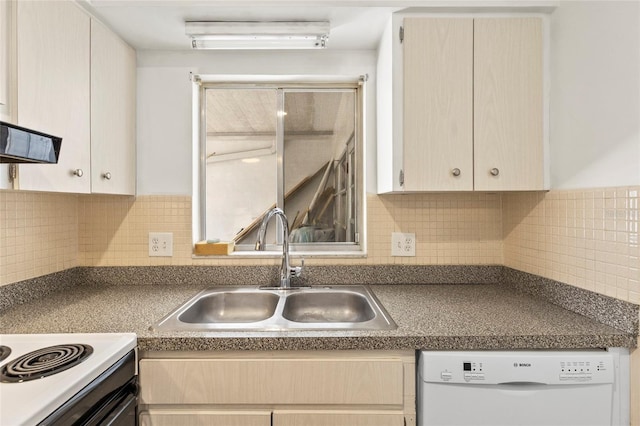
338,418
203,417
164,417
319,388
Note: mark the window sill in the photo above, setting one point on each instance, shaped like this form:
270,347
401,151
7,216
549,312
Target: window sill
278,254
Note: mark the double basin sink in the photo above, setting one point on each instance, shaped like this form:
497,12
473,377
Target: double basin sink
272,309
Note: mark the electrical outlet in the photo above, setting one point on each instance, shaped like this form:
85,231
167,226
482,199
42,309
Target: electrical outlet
403,244
161,244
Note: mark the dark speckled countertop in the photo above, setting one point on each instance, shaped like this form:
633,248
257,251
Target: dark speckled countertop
436,316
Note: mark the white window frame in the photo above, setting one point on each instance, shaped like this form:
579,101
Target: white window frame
199,85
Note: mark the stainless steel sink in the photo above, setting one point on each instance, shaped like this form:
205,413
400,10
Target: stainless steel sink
253,308
231,307
328,306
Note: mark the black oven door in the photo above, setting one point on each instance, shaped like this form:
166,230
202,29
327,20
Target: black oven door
124,414
111,399
120,412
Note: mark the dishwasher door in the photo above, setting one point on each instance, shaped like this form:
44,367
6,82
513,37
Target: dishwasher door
554,388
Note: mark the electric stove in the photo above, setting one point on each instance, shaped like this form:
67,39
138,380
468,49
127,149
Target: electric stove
65,378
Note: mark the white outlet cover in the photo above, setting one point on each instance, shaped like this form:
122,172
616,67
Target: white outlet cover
161,244
403,244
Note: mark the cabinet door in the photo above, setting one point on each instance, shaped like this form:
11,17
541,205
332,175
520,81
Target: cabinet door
337,418
508,104
7,48
4,52
438,101
203,417
53,90
113,113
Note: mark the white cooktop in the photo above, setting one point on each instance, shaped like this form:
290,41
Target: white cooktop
32,401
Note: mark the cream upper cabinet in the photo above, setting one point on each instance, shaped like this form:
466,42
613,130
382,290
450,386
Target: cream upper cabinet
113,113
76,80
53,54
508,104
438,104
461,104
7,74
4,53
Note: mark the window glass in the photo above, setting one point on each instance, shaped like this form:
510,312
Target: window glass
297,147
318,140
240,159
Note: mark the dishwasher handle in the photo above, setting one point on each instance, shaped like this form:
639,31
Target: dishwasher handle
523,383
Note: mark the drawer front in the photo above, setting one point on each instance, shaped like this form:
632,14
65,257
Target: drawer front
272,381
204,418
338,418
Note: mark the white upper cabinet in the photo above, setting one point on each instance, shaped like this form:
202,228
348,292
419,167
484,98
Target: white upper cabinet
113,113
461,104
53,54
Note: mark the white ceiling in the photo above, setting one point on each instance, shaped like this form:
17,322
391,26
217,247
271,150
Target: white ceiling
355,24
159,25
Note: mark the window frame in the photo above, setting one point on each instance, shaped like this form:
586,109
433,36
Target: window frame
292,84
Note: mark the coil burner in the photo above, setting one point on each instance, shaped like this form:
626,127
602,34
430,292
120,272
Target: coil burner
44,362
5,351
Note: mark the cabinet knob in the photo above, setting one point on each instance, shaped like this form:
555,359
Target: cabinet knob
495,172
455,172
107,175
78,172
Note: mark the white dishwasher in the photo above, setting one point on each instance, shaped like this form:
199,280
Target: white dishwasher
554,388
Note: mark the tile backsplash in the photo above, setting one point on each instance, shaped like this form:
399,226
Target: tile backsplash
450,229
114,230
587,238
38,234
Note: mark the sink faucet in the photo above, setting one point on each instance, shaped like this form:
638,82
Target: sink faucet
286,270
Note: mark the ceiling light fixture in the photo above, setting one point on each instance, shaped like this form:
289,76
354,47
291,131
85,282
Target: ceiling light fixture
257,35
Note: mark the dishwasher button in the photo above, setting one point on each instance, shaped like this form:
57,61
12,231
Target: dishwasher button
446,375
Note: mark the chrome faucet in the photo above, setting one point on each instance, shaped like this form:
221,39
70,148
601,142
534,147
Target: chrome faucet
286,270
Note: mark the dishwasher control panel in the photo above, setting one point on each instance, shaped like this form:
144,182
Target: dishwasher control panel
581,370
472,371
543,367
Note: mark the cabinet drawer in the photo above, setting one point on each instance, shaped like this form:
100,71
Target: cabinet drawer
272,381
204,418
338,418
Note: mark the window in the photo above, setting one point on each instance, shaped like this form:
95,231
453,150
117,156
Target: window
297,146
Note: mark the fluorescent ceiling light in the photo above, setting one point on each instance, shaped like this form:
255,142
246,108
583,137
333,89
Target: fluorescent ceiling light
257,35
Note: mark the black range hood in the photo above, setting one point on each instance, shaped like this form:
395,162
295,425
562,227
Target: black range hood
21,145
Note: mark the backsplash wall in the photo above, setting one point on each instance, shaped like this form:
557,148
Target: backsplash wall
587,238
45,233
449,228
38,234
